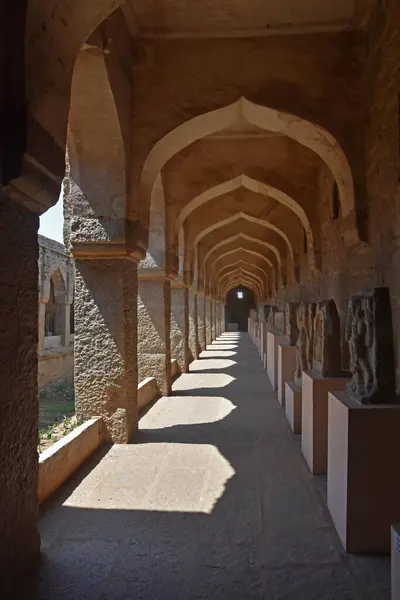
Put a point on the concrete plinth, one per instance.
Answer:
(314, 418)
(293, 405)
(273, 341)
(363, 489)
(286, 368)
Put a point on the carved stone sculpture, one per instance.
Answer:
(291, 328)
(271, 318)
(369, 335)
(254, 315)
(327, 348)
(267, 310)
(279, 323)
(304, 345)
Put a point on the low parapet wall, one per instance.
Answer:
(58, 463)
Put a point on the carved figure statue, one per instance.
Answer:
(369, 335)
(305, 340)
(301, 343)
(327, 348)
(291, 328)
(311, 308)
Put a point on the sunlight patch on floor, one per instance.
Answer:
(188, 410)
(157, 477)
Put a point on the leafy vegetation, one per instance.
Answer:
(56, 412)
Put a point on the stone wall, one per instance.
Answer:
(56, 293)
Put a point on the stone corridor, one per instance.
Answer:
(212, 501)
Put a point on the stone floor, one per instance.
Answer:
(213, 501)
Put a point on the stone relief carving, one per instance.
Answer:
(305, 340)
(271, 318)
(369, 335)
(267, 310)
(279, 323)
(327, 348)
(253, 314)
(291, 328)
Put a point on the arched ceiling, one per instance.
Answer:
(242, 182)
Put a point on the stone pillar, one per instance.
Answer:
(193, 327)
(201, 325)
(19, 539)
(215, 319)
(180, 325)
(208, 320)
(61, 321)
(41, 326)
(105, 353)
(154, 322)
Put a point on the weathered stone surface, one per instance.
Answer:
(106, 375)
(193, 341)
(154, 317)
(305, 340)
(327, 358)
(179, 327)
(369, 335)
(19, 538)
(201, 324)
(291, 327)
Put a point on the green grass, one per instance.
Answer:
(56, 412)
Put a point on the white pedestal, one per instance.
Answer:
(293, 405)
(314, 418)
(363, 484)
(286, 368)
(272, 356)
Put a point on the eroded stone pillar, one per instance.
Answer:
(41, 326)
(105, 353)
(193, 327)
(208, 320)
(19, 537)
(214, 320)
(154, 318)
(201, 324)
(180, 325)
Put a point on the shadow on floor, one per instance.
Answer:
(211, 501)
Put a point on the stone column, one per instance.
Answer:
(180, 325)
(214, 319)
(41, 326)
(201, 325)
(193, 327)
(154, 322)
(19, 539)
(208, 320)
(62, 321)
(105, 353)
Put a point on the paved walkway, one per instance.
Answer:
(213, 502)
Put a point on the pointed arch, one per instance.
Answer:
(253, 253)
(266, 224)
(258, 187)
(308, 134)
(249, 238)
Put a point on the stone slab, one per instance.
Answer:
(363, 487)
(286, 368)
(314, 418)
(293, 405)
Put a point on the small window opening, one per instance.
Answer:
(335, 201)
(240, 295)
(305, 243)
